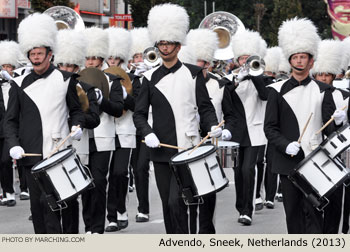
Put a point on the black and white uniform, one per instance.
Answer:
(176, 94)
(70, 215)
(248, 105)
(101, 145)
(6, 171)
(36, 120)
(289, 106)
(125, 142)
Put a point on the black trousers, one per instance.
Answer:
(245, 179)
(6, 170)
(333, 212)
(118, 183)
(22, 179)
(260, 165)
(140, 164)
(346, 211)
(178, 217)
(45, 221)
(70, 217)
(270, 178)
(94, 200)
(301, 216)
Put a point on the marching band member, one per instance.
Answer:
(140, 158)
(70, 56)
(37, 113)
(119, 42)
(325, 69)
(101, 138)
(125, 139)
(272, 61)
(176, 92)
(289, 106)
(248, 95)
(9, 55)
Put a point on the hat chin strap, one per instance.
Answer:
(166, 54)
(297, 68)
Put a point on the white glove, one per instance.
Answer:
(16, 152)
(76, 133)
(293, 148)
(215, 132)
(125, 94)
(339, 116)
(226, 135)
(99, 95)
(141, 68)
(152, 141)
(6, 75)
(241, 74)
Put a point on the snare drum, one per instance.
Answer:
(198, 173)
(337, 142)
(61, 177)
(317, 176)
(228, 154)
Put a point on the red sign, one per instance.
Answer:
(8, 9)
(25, 4)
(123, 17)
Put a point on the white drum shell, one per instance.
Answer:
(337, 142)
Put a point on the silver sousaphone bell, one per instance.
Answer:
(66, 18)
(225, 25)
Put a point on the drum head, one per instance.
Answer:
(53, 160)
(199, 153)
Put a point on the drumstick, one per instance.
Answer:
(64, 140)
(305, 127)
(169, 146)
(327, 123)
(31, 155)
(205, 138)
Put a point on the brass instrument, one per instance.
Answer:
(66, 18)
(151, 56)
(255, 65)
(126, 81)
(95, 78)
(225, 25)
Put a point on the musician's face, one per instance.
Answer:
(93, 62)
(40, 59)
(168, 50)
(203, 64)
(69, 68)
(325, 78)
(114, 61)
(9, 68)
(137, 58)
(242, 59)
(302, 61)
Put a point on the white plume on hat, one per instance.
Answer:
(37, 30)
(298, 36)
(97, 42)
(168, 22)
(71, 47)
(284, 65)
(186, 55)
(329, 57)
(9, 53)
(203, 42)
(272, 59)
(119, 43)
(263, 48)
(346, 53)
(247, 43)
(140, 40)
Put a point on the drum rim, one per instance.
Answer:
(190, 160)
(306, 159)
(335, 133)
(69, 153)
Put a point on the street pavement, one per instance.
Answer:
(14, 220)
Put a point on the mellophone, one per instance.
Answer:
(322, 171)
(61, 177)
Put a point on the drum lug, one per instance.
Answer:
(191, 203)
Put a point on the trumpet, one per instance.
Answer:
(255, 65)
(151, 56)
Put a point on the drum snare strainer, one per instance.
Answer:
(198, 173)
